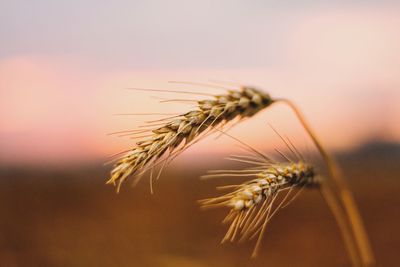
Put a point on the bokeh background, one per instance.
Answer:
(63, 69)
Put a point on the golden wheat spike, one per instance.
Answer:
(170, 134)
(251, 203)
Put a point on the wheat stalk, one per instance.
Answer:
(340, 200)
(185, 129)
(251, 203)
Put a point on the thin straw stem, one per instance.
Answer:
(345, 195)
(340, 217)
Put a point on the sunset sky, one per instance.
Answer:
(64, 66)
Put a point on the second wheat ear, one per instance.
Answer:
(181, 131)
(253, 203)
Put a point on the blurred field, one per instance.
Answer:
(70, 218)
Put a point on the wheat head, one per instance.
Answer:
(179, 132)
(251, 203)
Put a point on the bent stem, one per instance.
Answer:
(345, 197)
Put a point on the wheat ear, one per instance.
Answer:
(179, 132)
(251, 203)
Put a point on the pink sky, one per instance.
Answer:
(341, 66)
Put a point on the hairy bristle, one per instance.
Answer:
(182, 131)
(251, 204)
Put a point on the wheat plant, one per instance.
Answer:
(168, 137)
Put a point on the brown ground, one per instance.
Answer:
(70, 218)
